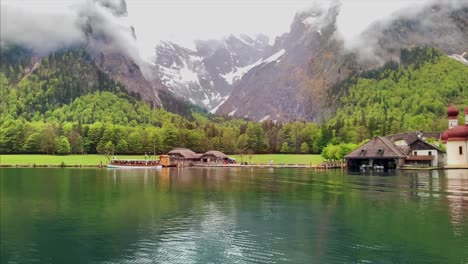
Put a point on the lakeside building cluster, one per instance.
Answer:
(413, 149)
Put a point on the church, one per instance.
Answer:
(456, 139)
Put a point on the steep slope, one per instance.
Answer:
(205, 76)
(412, 96)
(293, 86)
(315, 59)
(115, 53)
(50, 82)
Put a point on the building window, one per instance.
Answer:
(430, 153)
(415, 153)
(460, 150)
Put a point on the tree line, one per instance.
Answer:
(66, 105)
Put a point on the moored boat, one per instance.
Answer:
(134, 163)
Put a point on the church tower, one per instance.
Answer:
(466, 115)
(452, 113)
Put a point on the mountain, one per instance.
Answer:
(297, 85)
(99, 27)
(114, 52)
(206, 75)
(443, 26)
(410, 96)
(309, 59)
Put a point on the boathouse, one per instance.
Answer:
(214, 156)
(379, 152)
(183, 154)
(396, 151)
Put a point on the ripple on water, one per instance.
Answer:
(248, 216)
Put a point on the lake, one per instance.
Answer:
(232, 215)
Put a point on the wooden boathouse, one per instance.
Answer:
(396, 151)
(379, 152)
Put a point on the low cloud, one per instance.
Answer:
(101, 23)
(40, 31)
(420, 23)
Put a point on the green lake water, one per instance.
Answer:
(232, 215)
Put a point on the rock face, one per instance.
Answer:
(292, 84)
(205, 76)
(124, 70)
(114, 54)
(312, 58)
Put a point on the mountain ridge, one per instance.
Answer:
(316, 59)
(205, 76)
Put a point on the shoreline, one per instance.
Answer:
(315, 167)
(49, 166)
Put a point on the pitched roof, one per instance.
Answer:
(423, 142)
(379, 147)
(184, 152)
(215, 153)
(410, 137)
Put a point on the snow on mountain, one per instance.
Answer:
(205, 76)
(237, 73)
(274, 57)
(460, 57)
(311, 59)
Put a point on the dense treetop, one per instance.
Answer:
(411, 96)
(63, 104)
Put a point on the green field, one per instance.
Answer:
(280, 158)
(87, 160)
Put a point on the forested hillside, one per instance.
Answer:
(409, 96)
(64, 104)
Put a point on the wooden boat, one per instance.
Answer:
(134, 163)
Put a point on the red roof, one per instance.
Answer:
(466, 111)
(444, 136)
(452, 111)
(458, 133)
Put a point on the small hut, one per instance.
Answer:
(214, 156)
(183, 155)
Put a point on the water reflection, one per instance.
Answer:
(232, 215)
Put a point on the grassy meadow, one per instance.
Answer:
(41, 159)
(90, 160)
(280, 158)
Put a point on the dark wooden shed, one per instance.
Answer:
(379, 152)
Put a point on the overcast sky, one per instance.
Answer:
(186, 20)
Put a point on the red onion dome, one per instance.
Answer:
(457, 133)
(452, 111)
(466, 110)
(444, 136)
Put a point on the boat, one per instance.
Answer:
(134, 163)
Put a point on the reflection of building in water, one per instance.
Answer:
(450, 186)
(165, 179)
(424, 183)
(457, 196)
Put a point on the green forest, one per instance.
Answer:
(63, 104)
(410, 96)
